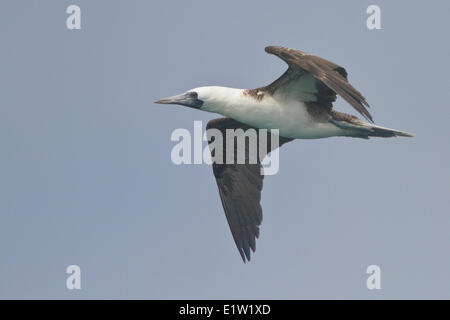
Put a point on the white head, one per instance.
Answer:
(204, 98)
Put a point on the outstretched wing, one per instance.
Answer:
(239, 185)
(313, 79)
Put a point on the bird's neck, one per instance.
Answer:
(223, 100)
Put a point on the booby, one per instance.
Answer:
(299, 104)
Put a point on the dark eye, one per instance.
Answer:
(194, 95)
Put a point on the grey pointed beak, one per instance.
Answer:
(184, 99)
(163, 101)
(178, 99)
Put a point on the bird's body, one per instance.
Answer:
(290, 117)
(299, 104)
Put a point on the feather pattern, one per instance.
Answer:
(313, 79)
(240, 186)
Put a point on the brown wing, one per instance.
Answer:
(239, 185)
(313, 79)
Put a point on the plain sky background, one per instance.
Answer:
(86, 176)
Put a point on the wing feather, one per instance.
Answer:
(331, 79)
(239, 187)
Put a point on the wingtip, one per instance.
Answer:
(268, 49)
(241, 252)
(244, 255)
(272, 49)
(369, 117)
(366, 112)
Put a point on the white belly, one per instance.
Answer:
(292, 120)
(290, 117)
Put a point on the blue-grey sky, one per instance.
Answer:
(86, 176)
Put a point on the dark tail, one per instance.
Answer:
(357, 128)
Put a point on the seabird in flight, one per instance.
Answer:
(300, 105)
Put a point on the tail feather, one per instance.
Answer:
(377, 131)
(357, 128)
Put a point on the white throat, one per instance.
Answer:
(221, 100)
